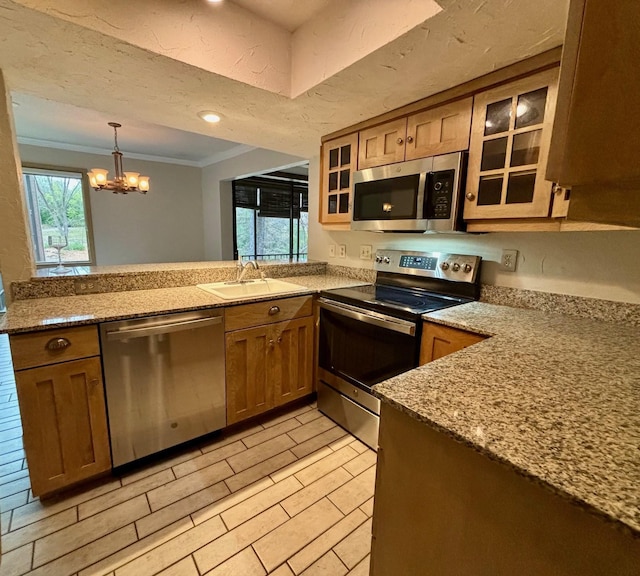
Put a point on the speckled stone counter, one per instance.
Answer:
(555, 397)
(40, 313)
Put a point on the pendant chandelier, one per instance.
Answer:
(123, 182)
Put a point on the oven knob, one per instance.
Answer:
(386, 260)
(378, 259)
(455, 267)
(467, 268)
(445, 265)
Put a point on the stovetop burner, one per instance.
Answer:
(410, 284)
(412, 301)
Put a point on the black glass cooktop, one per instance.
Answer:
(387, 299)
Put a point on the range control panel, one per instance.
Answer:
(455, 267)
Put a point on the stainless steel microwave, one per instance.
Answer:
(416, 196)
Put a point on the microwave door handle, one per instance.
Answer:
(373, 318)
(421, 211)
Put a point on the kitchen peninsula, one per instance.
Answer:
(522, 449)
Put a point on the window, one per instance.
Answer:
(271, 219)
(59, 217)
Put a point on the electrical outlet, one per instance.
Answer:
(509, 260)
(332, 250)
(86, 286)
(365, 252)
(342, 251)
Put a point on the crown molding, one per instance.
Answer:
(219, 157)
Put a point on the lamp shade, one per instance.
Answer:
(131, 179)
(143, 183)
(100, 176)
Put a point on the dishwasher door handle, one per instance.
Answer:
(127, 333)
(369, 317)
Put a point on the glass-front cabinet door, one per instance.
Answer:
(339, 158)
(510, 135)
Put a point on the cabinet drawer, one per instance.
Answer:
(51, 346)
(248, 315)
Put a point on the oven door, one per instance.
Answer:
(364, 347)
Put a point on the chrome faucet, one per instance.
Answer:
(242, 268)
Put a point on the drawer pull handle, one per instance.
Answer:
(274, 310)
(57, 344)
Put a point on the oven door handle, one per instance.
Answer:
(374, 318)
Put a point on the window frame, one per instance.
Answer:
(291, 184)
(28, 168)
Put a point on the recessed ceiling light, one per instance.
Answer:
(209, 116)
(214, 1)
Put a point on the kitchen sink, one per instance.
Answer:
(249, 288)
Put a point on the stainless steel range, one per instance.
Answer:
(371, 333)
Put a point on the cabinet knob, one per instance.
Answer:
(271, 342)
(280, 340)
(557, 189)
(57, 344)
(400, 140)
(409, 139)
(470, 196)
(274, 310)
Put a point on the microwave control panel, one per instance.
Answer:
(439, 197)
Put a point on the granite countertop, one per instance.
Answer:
(56, 312)
(555, 397)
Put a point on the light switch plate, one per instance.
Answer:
(86, 286)
(509, 260)
(342, 251)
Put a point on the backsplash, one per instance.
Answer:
(149, 277)
(594, 308)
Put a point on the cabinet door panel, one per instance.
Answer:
(64, 423)
(509, 148)
(293, 359)
(438, 341)
(249, 389)
(439, 131)
(382, 144)
(338, 164)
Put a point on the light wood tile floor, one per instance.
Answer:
(292, 494)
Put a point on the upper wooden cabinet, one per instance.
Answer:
(62, 406)
(437, 131)
(596, 139)
(510, 135)
(338, 164)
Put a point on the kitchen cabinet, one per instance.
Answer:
(62, 406)
(269, 355)
(438, 341)
(596, 137)
(436, 131)
(338, 164)
(510, 135)
(470, 514)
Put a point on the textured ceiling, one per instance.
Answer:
(159, 62)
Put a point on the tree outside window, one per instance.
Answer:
(59, 220)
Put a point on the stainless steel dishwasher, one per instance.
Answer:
(164, 379)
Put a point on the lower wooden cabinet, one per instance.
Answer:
(438, 341)
(268, 366)
(62, 406)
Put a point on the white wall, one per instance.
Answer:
(165, 225)
(592, 264)
(216, 192)
(16, 258)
